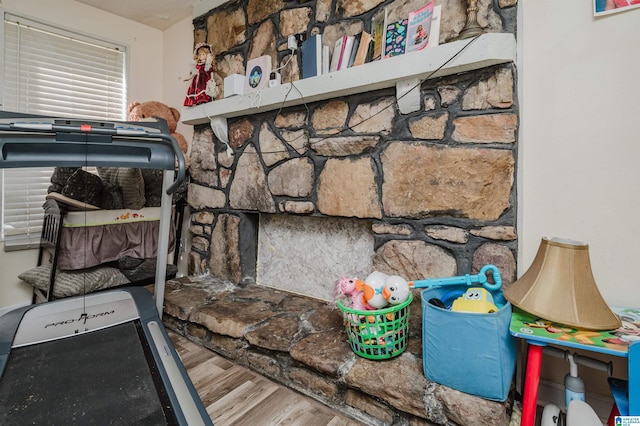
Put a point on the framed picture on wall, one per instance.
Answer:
(606, 7)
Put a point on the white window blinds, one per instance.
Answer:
(49, 71)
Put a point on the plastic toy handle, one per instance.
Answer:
(497, 278)
(480, 278)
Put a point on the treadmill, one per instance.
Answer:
(105, 357)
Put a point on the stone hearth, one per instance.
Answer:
(300, 342)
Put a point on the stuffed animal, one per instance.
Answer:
(375, 291)
(358, 302)
(398, 289)
(344, 287)
(380, 289)
(146, 110)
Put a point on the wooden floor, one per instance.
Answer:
(234, 395)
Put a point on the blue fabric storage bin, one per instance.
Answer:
(471, 352)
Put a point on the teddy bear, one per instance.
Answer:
(139, 111)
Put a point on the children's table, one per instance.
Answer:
(622, 342)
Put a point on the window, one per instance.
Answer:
(53, 72)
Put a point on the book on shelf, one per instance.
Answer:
(341, 53)
(364, 48)
(326, 59)
(419, 27)
(369, 52)
(346, 52)
(354, 49)
(378, 24)
(312, 56)
(434, 36)
(338, 48)
(395, 38)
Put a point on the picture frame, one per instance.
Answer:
(257, 74)
(608, 7)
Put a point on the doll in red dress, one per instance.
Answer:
(203, 87)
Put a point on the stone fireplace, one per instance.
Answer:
(405, 166)
(328, 181)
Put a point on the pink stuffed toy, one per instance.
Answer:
(344, 287)
(358, 302)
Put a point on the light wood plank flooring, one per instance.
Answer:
(234, 395)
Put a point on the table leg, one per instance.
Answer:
(531, 382)
(634, 383)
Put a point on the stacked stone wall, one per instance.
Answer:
(437, 184)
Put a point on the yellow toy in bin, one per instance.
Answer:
(475, 299)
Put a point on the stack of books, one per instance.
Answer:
(348, 51)
(412, 33)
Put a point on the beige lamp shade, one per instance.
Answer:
(559, 287)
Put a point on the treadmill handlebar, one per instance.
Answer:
(28, 126)
(87, 127)
(182, 167)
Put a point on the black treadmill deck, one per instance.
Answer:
(80, 379)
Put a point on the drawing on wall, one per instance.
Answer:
(606, 7)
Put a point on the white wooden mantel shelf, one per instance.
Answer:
(400, 71)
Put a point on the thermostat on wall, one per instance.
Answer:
(233, 85)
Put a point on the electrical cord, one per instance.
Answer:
(364, 120)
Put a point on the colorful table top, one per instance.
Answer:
(613, 342)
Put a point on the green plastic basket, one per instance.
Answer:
(378, 334)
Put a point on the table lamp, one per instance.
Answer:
(559, 287)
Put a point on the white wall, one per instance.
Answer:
(145, 82)
(579, 140)
(178, 61)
